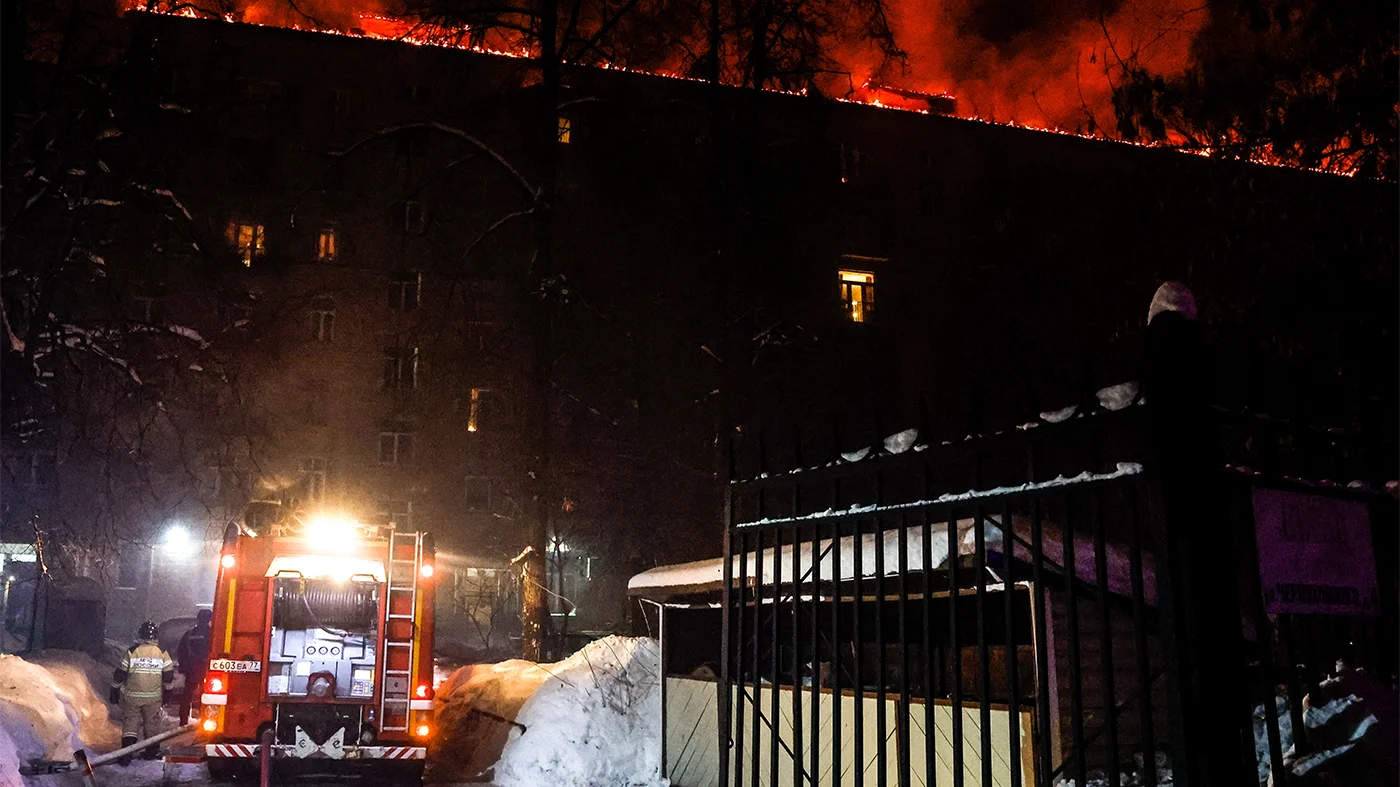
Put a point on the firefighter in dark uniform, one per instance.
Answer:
(192, 661)
(141, 683)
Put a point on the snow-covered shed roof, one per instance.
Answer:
(707, 576)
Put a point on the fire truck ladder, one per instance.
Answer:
(403, 581)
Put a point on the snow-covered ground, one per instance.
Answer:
(591, 720)
(48, 710)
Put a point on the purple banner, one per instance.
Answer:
(1315, 554)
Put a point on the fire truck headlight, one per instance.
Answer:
(211, 725)
(320, 686)
(422, 730)
(216, 685)
(423, 692)
(227, 561)
(426, 570)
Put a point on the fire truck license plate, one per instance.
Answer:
(230, 665)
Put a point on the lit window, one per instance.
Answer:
(246, 239)
(478, 395)
(395, 448)
(323, 323)
(314, 471)
(325, 245)
(566, 130)
(404, 289)
(858, 294)
(400, 369)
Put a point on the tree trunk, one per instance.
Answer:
(534, 614)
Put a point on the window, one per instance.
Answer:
(325, 245)
(397, 512)
(482, 492)
(400, 369)
(246, 239)
(314, 471)
(323, 322)
(31, 470)
(404, 290)
(474, 407)
(395, 448)
(316, 402)
(566, 130)
(857, 294)
(413, 220)
(850, 162)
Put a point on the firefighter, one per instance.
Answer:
(192, 660)
(141, 683)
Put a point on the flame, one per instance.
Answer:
(1162, 43)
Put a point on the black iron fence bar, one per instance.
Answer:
(984, 665)
(930, 753)
(857, 641)
(1295, 689)
(1076, 677)
(756, 653)
(902, 718)
(881, 762)
(1149, 742)
(1012, 665)
(955, 651)
(773, 651)
(1254, 608)
(1091, 735)
(736, 735)
(837, 666)
(815, 732)
(725, 733)
(1043, 686)
(1105, 603)
(797, 645)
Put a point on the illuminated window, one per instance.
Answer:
(325, 245)
(566, 130)
(401, 369)
(395, 448)
(858, 294)
(404, 289)
(323, 322)
(478, 395)
(246, 239)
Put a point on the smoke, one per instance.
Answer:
(1049, 65)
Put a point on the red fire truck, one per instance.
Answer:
(322, 634)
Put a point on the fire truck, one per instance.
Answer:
(323, 635)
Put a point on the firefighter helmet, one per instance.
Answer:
(148, 631)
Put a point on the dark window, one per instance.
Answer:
(482, 493)
(404, 291)
(132, 567)
(395, 448)
(314, 471)
(400, 369)
(399, 512)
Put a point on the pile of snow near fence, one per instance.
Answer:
(1352, 721)
(48, 710)
(591, 719)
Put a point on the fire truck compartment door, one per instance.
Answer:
(328, 566)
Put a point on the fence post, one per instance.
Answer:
(1195, 552)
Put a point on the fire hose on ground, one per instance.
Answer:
(133, 748)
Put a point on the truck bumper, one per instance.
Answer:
(280, 751)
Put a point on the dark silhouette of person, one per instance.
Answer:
(192, 658)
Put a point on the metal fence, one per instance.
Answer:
(1008, 609)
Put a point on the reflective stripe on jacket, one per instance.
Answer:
(146, 670)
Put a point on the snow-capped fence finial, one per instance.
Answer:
(1173, 296)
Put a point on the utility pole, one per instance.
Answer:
(540, 308)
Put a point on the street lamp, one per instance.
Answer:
(177, 542)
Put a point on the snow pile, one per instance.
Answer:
(1351, 723)
(591, 719)
(82, 678)
(48, 713)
